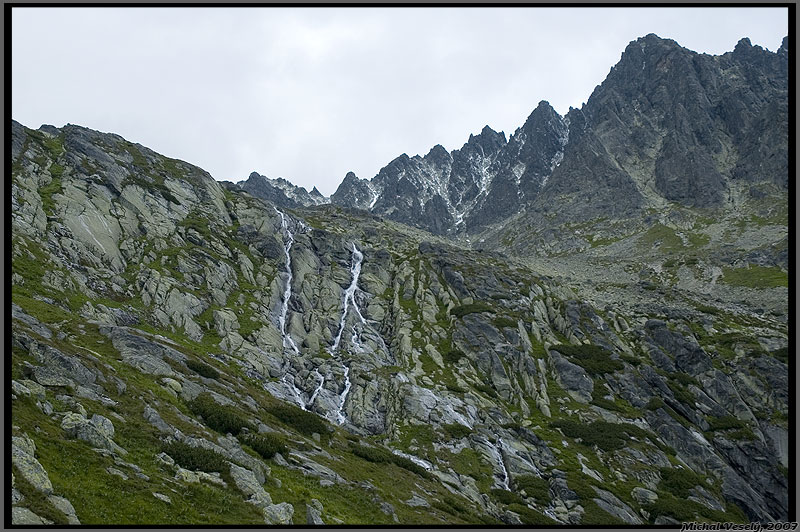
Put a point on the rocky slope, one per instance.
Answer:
(163, 325)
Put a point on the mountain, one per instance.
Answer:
(281, 192)
(183, 351)
(667, 125)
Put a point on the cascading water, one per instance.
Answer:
(497, 452)
(287, 291)
(349, 297)
(318, 388)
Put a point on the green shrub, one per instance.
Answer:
(725, 423)
(592, 358)
(607, 436)
(267, 445)
(679, 481)
(535, 487)
(380, 455)
(195, 458)
(454, 388)
(506, 497)
(305, 422)
(452, 356)
(608, 405)
(456, 431)
(529, 516)
(681, 394)
(670, 506)
(462, 310)
(485, 388)
(503, 322)
(655, 403)
(594, 515)
(223, 419)
(684, 378)
(202, 369)
(782, 354)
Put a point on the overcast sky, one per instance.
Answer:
(309, 94)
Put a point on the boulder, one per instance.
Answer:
(279, 514)
(22, 456)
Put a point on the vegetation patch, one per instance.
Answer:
(593, 358)
(533, 486)
(462, 310)
(529, 516)
(755, 276)
(456, 431)
(195, 458)
(304, 422)
(223, 419)
(380, 455)
(606, 436)
(202, 369)
(503, 322)
(267, 445)
(506, 497)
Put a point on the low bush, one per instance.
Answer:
(462, 310)
(202, 369)
(655, 403)
(535, 487)
(679, 481)
(594, 515)
(267, 445)
(485, 388)
(304, 422)
(380, 455)
(195, 458)
(503, 322)
(452, 356)
(725, 423)
(223, 419)
(456, 431)
(529, 516)
(592, 358)
(606, 436)
(782, 354)
(506, 497)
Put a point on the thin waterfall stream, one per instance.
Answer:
(349, 297)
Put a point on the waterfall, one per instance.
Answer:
(318, 388)
(287, 292)
(349, 297)
(497, 452)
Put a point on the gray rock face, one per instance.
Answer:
(572, 377)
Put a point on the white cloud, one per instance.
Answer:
(309, 94)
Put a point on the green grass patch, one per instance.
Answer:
(755, 276)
